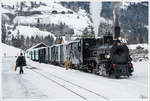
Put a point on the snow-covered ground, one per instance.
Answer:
(50, 7)
(77, 22)
(45, 81)
(9, 50)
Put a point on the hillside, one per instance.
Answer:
(48, 14)
(133, 18)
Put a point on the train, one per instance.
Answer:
(106, 56)
(102, 56)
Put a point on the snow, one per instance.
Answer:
(8, 2)
(33, 47)
(6, 11)
(82, 12)
(95, 9)
(133, 46)
(10, 50)
(46, 81)
(78, 23)
(74, 23)
(31, 31)
(50, 7)
(29, 87)
(14, 2)
(125, 5)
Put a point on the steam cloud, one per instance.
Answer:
(116, 7)
(95, 9)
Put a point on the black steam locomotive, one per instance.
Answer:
(106, 56)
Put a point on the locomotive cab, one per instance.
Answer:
(108, 39)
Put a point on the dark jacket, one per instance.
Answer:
(21, 61)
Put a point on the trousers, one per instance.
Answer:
(21, 70)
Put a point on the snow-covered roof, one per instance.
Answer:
(38, 46)
(64, 43)
(134, 46)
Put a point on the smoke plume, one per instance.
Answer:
(95, 9)
(116, 7)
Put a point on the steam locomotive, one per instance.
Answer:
(105, 56)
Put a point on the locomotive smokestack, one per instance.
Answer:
(116, 22)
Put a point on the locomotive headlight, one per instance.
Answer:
(107, 56)
(119, 38)
(131, 57)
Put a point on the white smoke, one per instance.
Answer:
(116, 7)
(95, 9)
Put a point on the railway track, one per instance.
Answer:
(78, 90)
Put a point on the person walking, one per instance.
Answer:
(20, 62)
